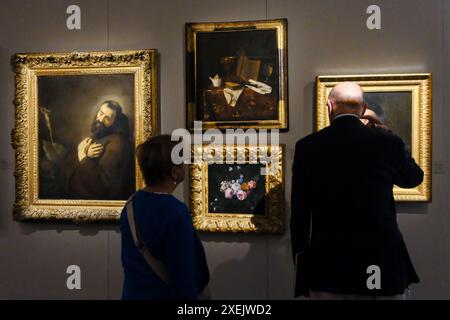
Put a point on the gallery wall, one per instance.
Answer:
(325, 37)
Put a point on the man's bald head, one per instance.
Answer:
(346, 97)
(347, 93)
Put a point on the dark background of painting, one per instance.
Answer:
(324, 38)
(395, 110)
(74, 102)
(253, 204)
(212, 46)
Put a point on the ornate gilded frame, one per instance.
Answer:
(420, 87)
(280, 25)
(271, 222)
(27, 67)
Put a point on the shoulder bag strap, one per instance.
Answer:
(157, 266)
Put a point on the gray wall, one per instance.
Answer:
(325, 37)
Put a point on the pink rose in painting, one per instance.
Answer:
(229, 193)
(252, 184)
(241, 195)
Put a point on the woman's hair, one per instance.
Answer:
(154, 158)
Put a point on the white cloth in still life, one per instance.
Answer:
(232, 95)
(259, 87)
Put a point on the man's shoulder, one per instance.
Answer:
(387, 137)
(114, 139)
(311, 139)
(326, 135)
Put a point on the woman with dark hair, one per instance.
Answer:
(162, 256)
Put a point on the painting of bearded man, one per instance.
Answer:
(98, 172)
(86, 149)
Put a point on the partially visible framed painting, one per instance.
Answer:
(242, 195)
(237, 74)
(403, 103)
(79, 117)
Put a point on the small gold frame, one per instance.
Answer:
(271, 222)
(420, 87)
(27, 67)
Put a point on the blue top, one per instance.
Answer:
(166, 229)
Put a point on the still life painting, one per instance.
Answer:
(237, 74)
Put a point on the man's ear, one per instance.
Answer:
(330, 107)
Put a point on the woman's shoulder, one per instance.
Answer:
(167, 202)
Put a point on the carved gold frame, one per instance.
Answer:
(420, 87)
(27, 67)
(271, 222)
(280, 25)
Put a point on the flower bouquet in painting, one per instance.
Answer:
(238, 196)
(236, 189)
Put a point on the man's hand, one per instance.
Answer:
(374, 122)
(82, 148)
(94, 150)
(88, 149)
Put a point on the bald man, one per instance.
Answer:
(343, 217)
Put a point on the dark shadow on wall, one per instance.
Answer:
(6, 152)
(30, 227)
(310, 109)
(7, 194)
(248, 275)
(6, 214)
(245, 276)
(412, 207)
(85, 229)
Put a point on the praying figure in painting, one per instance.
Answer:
(102, 167)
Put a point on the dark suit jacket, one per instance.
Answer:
(343, 215)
